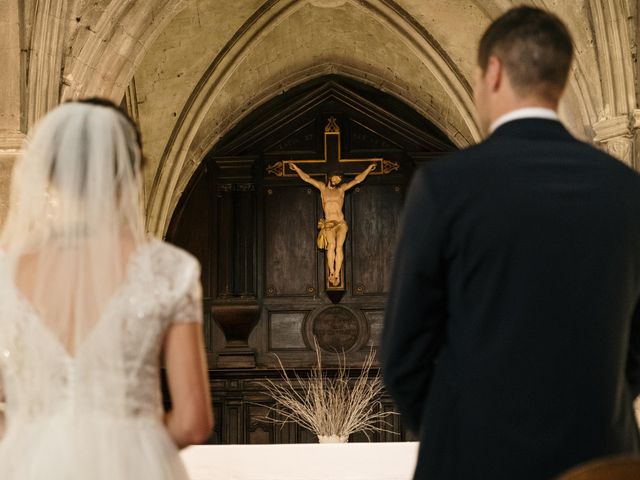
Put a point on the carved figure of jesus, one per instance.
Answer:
(333, 227)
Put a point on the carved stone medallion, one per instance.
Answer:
(336, 328)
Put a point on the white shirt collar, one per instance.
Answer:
(520, 113)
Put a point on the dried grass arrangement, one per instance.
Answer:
(331, 406)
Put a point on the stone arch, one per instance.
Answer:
(609, 19)
(46, 52)
(606, 108)
(177, 152)
(106, 52)
(579, 90)
(580, 96)
(618, 127)
(202, 145)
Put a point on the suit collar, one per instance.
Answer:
(520, 113)
(532, 128)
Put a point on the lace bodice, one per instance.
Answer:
(115, 370)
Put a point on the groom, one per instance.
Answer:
(512, 336)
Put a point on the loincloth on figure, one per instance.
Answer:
(326, 226)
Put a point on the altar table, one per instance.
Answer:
(345, 461)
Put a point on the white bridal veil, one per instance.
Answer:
(85, 300)
(74, 220)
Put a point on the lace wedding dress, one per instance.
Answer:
(95, 414)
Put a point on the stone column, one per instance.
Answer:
(10, 143)
(11, 89)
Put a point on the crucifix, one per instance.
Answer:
(333, 227)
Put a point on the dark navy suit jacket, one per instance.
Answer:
(511, 346)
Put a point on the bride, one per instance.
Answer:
(89, 308)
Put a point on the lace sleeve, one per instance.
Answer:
(188, 307)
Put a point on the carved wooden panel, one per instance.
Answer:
(255, 231)
(244, 414)
(216, 437)
(336, 328)
(290, 243)
(224, 240)
(364, 139)
(245, 241)
(375, 319)
(285, 330)
(235, 426)
(376, 210)
(260, 431)
(303, 139)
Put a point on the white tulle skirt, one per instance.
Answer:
(90, 448)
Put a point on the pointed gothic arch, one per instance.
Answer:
(179, 147)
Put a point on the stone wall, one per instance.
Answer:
(190, 70)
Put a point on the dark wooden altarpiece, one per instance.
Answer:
(252, 223)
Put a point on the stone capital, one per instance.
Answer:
(609, 129)
(11, 142)
(619, 137)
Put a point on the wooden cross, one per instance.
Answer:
(332, 161)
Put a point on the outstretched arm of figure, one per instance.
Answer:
(306, 177)
(359, 178)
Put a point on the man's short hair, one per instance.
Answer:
(535, 48)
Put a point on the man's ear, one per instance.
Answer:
(494, 73)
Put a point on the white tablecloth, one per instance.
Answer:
(352, 461)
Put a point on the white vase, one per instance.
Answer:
(333, 438)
